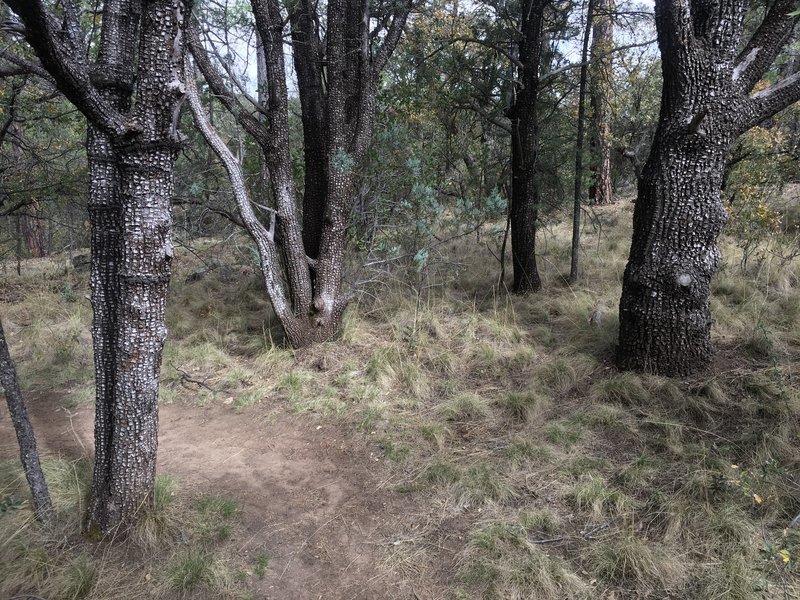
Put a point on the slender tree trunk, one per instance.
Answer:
(524, 142)
(34, 230)
(600, 92)
(307, 63)
(576, 208)
(29, 454)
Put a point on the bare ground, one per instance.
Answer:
(316, 502)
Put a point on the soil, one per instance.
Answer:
(312, 498)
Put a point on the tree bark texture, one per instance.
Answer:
(142, 180)
(524, 142)
(132, 144)
(338, 107)
(600, 94)
(34, 230)
(707, 103)
(28, 452)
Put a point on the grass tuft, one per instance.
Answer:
(525, 407)
(624, 388)
(190, 570)
(631, 561)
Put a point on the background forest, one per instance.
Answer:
(364, 262)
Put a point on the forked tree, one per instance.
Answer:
(130, 94)
(712, 93)
(338, 75)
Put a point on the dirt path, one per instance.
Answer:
(311, 499)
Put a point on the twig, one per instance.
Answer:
(552, 540)
(185, 377)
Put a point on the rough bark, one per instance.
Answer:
(144, 164)
(34, 230)
(706, 104)
(307, 64)
(524, 140)
(600, 94)
(338, 107)
(132, 146)
(113, 75)
(28, 452)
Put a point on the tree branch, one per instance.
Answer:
(392, 38)
(764, 104)
(555, 72)
(69, 71)
(24, 66)
(760, 52)
(511, 58)
(220, 90)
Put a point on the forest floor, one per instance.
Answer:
(455, 443)
(306, 496)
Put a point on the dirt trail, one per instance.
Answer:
(309, 497)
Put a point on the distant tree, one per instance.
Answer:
(578, 188)
(601, 77)
(132, 144)
(712, 93)
(29, 453)
(338, 74)
(523, 213)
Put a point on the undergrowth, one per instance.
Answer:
(534, 468)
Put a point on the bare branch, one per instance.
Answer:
(556, 72)
(216, 83)
(760, 52)
(511, 58)
(69, 71)
(24, 66)
(764, 104)
(392, 38)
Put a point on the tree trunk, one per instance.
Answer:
(139, 181)
(576, 199)
(337, 82)
(706, 104)
(105, 217)
(29, 454)
(664, 314)
(524, 141)
(34, 230)
(307, 64)
(600, 93)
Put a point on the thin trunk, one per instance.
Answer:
(600, 92)
(32, 227)
(29, 454)
(307, 63)
(34, 230)
(576, 209)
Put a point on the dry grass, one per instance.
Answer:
(502, 413)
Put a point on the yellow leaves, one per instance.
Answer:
(785, 556)
(761, 85)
